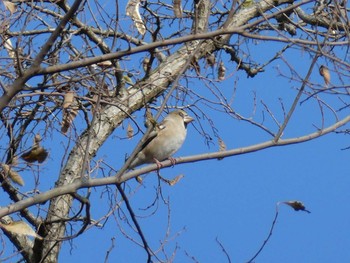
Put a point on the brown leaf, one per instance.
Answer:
(177, 8)
(36, 154)
(14, 161)
(64, 88)
(145, 63)
(222, 146)
(67, 118)
(68, 99)
(195, 65)
(175, 180)
(211, 59)
(9, 47)
(13, 175)
(10, 6)
(37, 139)
(105, 64)
(130, 131)
(20, 228)
(324, 72)
(221, 71)
(132, 10)
(297, 206)
(172, 182)
(139, 179)
(150, 121)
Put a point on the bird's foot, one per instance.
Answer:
(158, 163)
(172, 160)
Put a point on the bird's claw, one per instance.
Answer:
(172, 160)
(158, 163)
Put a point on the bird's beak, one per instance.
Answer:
(188, 119)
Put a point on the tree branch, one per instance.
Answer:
(112, 180)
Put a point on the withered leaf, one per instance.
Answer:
(67, 119)
(37, 139)
(68, 99)
(177, 8)
(36, 154)
(10, 6)
(132, 10)
(221, 71)
(324, 72)
(20, 228)
(210, 59)
(105, 64)
(13, 175)
(176, 180)
(222, 146)
(130, 131)
(145, 63)
(149, 121)
(297, 206)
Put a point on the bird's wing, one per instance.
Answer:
(153, 134)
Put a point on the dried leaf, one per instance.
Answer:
(36, 154)
(195, 65)
(211, 59)
(139, 179)
(130, 131)
(247, 3)
(37, 139)
(9, 47)
(324, 72)
(297, 206)
(67, 119)
(132, 10)
(14, 161)
(221, 71)
(222, 146)
(13, 175)
(145, 64)
(177, 8)
(150, 121)
(128, 80)
(25, 114)
(10, 6)
(68, 99)
(105, 64)
(20, 228)
(175, 180)
(64, 88)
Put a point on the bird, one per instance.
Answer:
(166, 139)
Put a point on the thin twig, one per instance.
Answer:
(137, 225)
(267, 239)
